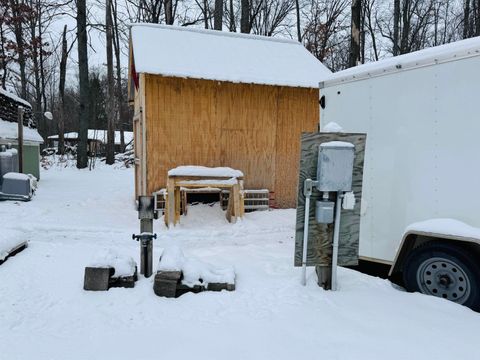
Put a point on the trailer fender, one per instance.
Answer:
(413, 239)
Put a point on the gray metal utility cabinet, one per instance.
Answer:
(335, 166)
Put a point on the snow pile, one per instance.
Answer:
(224, 56)
(262, 319)
(445, 226)
(195, 271)
(16, 176)
(9, 131)
(191, 170)
(332, 127)
(10, 240)
(123, 265)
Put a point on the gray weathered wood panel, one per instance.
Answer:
(321, 235)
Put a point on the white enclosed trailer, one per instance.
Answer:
(421, 113)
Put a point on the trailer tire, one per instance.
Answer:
(443, 270)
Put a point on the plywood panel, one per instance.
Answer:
(320, 236)
(253, 128)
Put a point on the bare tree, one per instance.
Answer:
(325, 31)
(355, 33)
(218, 15)
(61, 90)
(269, 17)
(117, 49)
(111, 113)
(370, 25)
(20, 13)
(245, 16)
(82, 47)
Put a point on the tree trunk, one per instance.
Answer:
(18, 31)
(477, 18)
(297, 9)
(42, 63)
(83, 116)
(168, 12)
(218, 15)
(355, 34)
(116, 48)
(232, 18)
(245, 17)
(110, 106)
(404, 41)
(36, 74)
(396, 27)
(61, 90)
(466, 19)
(205, 13)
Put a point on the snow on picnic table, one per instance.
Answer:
(45, 313)
(193, 170)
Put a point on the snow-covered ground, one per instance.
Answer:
(45, 314)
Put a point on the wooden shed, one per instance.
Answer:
(212, 98)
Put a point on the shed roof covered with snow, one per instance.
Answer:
(98, 135)
(224, 56)
(429, 56)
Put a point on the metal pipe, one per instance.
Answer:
(307, 190)
(146, 249)
(21, 111)
(336, 233)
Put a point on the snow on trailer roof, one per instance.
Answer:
(224, 56)
(430, 56)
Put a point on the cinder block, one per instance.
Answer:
(97, 279)
(124, 281)
(220, 287)
(170, 275)
(165, 283)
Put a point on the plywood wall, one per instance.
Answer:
(253, 128)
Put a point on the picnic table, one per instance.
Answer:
(200, 177)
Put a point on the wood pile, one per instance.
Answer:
(9, 110)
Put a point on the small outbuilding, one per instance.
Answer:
(96, 140)
(219, 99)
(32, 140)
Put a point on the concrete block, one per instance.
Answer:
(220, 287)
(124, 281)
(165, 283)
(97, 279)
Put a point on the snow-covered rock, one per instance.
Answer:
(193, 269)
(123, 265)
(10, 240)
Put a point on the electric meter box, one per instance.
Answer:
(324, 212)
(335, 166)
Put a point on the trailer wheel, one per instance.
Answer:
(443, 270)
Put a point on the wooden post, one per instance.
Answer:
(170, 204)
(21, 111)
(177, 205)
(236, 201)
